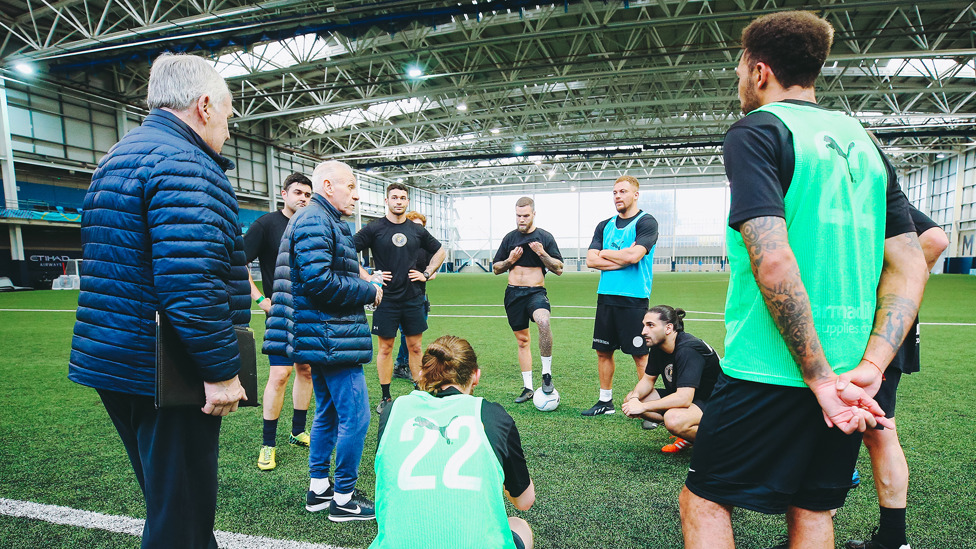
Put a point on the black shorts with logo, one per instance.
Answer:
(766, 447)
(521, 302)
(408, 315)
(619, 328)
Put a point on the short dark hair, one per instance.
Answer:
(669, 314)
(395, 187)
(525, 201)
(794, 44)
(293, 179)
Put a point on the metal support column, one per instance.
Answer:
(271, 166)
(7, 153)
(9, 175)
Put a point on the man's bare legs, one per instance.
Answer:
(524, 341)
(708, 525)
(705, 524)
(541, 318)
(889, 466)
(274, 391)
(384, 359)
(414, 353)
(810, 529)
(683, 422)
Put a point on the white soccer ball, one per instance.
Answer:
(544, 402)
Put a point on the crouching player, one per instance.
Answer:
(444, 458)
(689, 368)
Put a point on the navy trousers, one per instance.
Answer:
(174, 455)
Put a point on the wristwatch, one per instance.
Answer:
(426, 275)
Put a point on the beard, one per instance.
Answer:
(748, 100)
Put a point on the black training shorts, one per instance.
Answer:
(886, 396)
(619, 328)
(410, 316)
(521, 302)
(766, 448)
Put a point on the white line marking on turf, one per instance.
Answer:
(67, 516)
(261, 312)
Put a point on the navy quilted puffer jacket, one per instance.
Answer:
(159, 232)
(317, 312)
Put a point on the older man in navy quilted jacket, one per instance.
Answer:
(160, 233)
(317, 318)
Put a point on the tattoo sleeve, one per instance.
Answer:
(778, 277)
(551, 263)
(900, 290)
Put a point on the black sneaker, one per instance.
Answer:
(872, 543)
(358, 508)
(526, 395)
(601, 407)
(401, 371)
(383, 404)
(316, 502)
(547, 386)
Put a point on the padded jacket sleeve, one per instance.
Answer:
(315, 252)
(192, 242)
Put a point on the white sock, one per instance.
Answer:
(319, 485)
(547, 365)
(527, 380)
(342, 499)
(606, 395)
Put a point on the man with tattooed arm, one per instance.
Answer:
(826, 277)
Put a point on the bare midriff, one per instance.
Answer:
(526, 276)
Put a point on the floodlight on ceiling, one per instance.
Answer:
(24, 68)
(399, 180)
(495, 131)
(414, 71)
(462, 107)
(940, 156)
(519, 149)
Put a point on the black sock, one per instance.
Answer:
(298, 422)
(386, 390)
(891, 532)
(270, 431)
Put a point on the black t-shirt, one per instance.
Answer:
(261, 241)
(528, 258)
(396, 248)
(759, 162)
(692, 364)
(503, 436)
(646, 236)
(907, 357)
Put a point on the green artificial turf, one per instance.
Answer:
(600, 482)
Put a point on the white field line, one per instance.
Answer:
(132, 526)
(260, 312)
